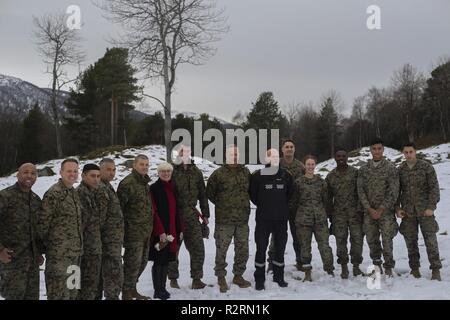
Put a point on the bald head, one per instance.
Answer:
(26, 176)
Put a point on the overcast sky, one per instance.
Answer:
(299, 49)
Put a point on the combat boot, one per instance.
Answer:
(436, 275)
(278, 276)
(388, 271)
(299, 267)
(357, 271)
(344, 271)
(259, 285)
(223, 286)
(307, 276)
(241, 282)
(416, 273)
(139, 296)
(281, 282)
(330, 272)
(127, 294)
(198, 284)
(174, 284)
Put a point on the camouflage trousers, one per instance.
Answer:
(321, 234)
(387, 228)
(409, 228)
(62, 279)
(135, 260)
(193, 240)
(223, 234)
(19, 279)
(112, 276)
(112, 266)
(341, 229)
(91, 272)
(295, 243)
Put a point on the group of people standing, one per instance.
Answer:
(82, 231)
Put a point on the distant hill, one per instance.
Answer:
(21, 95)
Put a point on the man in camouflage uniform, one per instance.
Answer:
(91, 261)
(112, 233)
(345, 216)
(134, 196)
(60, 228)
(311, 200)
(227, 189)
(419, 195)
(191, 187)
(378, 187)
(20, 249)
(296, 169)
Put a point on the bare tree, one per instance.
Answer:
(376, 98)
(58, 46)
(163, 34)
(358, 112)
(291, 110)
(408, 84)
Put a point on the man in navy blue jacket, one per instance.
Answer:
(270, 190)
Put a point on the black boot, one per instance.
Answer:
(156, 285)
(159, 283)
(164, 271)
(260, 278)
(278, 276)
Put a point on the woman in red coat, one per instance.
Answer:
(168, 227)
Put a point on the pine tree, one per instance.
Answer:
(328, 129)
(31, 145)
(98, 109)
(265, 113)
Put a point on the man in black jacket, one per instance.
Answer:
(270, 190)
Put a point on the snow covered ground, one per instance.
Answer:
(323, 286)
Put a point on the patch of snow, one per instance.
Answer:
(323, 286)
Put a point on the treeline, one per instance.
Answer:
(411, 108)
(99, 115)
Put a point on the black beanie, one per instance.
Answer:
(90, 166)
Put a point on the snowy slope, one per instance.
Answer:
(21, 95)
(322, 287)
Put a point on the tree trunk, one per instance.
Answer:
(112, 120)
(125, 143)
(54, 108)
(116, 121)
(360, 135)
(441, 121)
(168, 124)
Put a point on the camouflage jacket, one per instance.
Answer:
(91, 218)
(18, 214)
(228, 189)
(419, 187)
(59, 222)
(296, 168)
(191, 188)
(378, 185)
(136, 204)
(311, 200)
(113, 228)
(343, 193)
